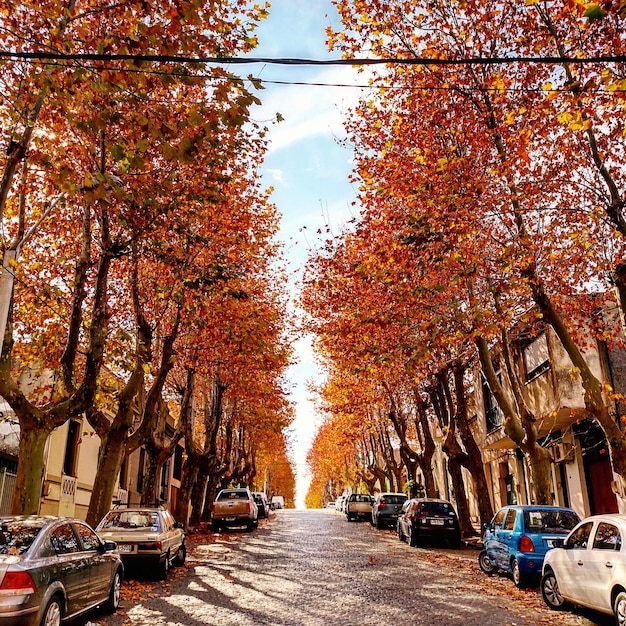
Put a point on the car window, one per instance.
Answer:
(436, 508)
(607, 537)
(550, 521)
(131, 519)
(579, 538)
(88, 538)
(394, 499)
(499, 518)
(16, 537)
(509, 522)
(64, 540)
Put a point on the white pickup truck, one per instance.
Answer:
(359, 505)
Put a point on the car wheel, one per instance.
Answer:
(181, 555)
(619, 608)
(53, 612)
(518, 579)
(164, 569)
(215, 527)
(550, 591)
(412, 538)
(485, 563)
(115, 593)
(400, 533)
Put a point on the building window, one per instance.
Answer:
(71, 448)
(141, 470)
(493, 414)
(536, 357)
(165, 481)
(178, 463)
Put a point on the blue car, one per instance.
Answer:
(518, 537)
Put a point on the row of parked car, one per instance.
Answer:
(581, 562)
(53, 569)
(415, 519)
(56, 568)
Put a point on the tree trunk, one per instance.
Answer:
(190, 475)
(29, 481)
(112, 453)
(198, 495)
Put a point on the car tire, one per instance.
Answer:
(619, 609)
(400, 533)
(181, 556)
(53, 613)
(115, 593)
(215, 527)
(516, 573)
(164, 567)
(551, 594)
(485, 563)
(412, 538)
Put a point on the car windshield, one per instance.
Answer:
(394, 499)
(17, 536)
(361, 498)
(549, 521)
(233, 495)
(436, 508)
(131, 519)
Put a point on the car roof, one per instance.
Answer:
(392, 493)
(615, 518)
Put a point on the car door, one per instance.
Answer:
(493, 538)
(507, 538)
(73, 567)
(597, 564)
(569, 569)
(404, 520)
(99, 563)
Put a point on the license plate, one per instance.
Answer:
(437, 522)
(124, 548)
(230, 519)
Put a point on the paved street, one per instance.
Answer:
(313, 568)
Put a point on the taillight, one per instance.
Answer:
(382, 505)
(526, 544)
(152, 545)
(248, 507)
(17, 584)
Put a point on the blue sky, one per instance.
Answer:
(305, 164)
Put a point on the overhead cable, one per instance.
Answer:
(159, 58)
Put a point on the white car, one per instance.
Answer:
(589, 569)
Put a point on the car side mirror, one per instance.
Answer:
(488, 526)
(109, 546)
(179, 525)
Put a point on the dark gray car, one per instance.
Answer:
(386, 508)
(54, 568)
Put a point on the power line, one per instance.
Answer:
(159, 58)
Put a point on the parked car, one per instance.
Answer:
(278, 502)
(386, 509)
(340, 503)
(330, 505)
(148, 539)
(263, 506)
(359, 506)
(234, 507)
(589, 569)
(518, 537)
(428, 518)
(53, 569)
